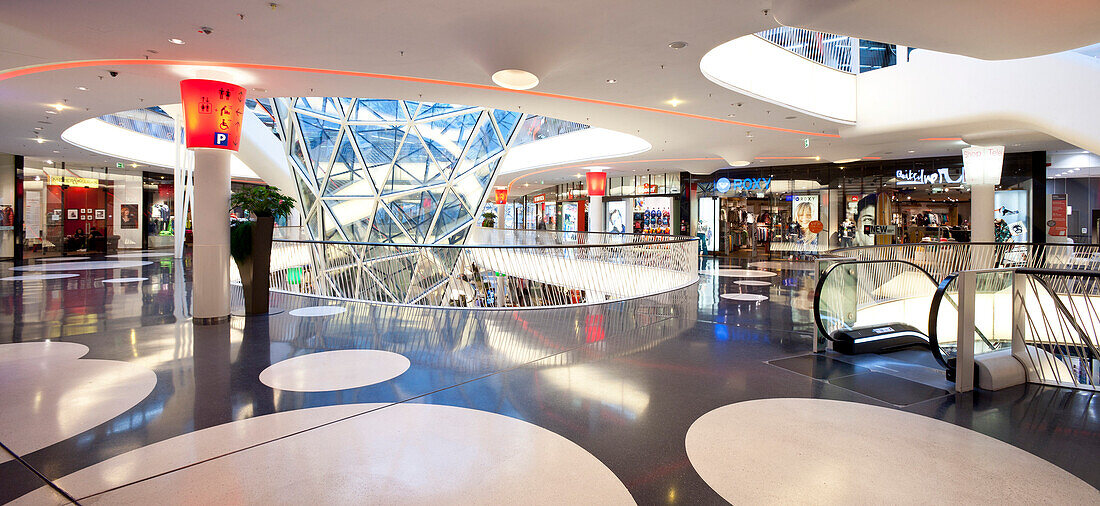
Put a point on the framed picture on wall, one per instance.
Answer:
(128, 216)
(73, 214)
(100, 214)
(87, 211)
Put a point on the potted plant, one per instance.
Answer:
(250, 241)
(488, 220)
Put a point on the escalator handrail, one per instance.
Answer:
(825, 275)
(934, 316)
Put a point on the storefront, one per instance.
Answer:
(646, 204)
(808, 209)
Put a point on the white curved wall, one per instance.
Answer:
(574, 147)
(755, 67)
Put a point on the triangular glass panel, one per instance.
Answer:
(459, 235)
(378, 145)
(446, 137)
(506, 122)
(452, 215)
(432, 109)
(483, 146)
(470, 189)
(307, 198)
(354, 216)
(298, 157)
(384, 229)
(378, 110)
(432, 267)
(320, 140)
(415, 212)
(329, 226)
(412, 167)
(324, 106)
(393, 266)
(348, 176)
(345, 104)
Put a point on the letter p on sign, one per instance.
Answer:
(221, 139)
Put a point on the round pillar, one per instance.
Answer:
(210, 219)
(981, 213)
(500, 215)
(595, 214)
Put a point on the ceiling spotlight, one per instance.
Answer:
(515, 79)
(50, 112)
(177, 41)
(612, 81)
(260, 90)
(49, 161)
(38, 128)
(674, 102)
(739, 163)
(56, 151)
(912, 151)
(82, 88)
(134, 165)
(59, 106)
(678, 44)
(847, 160)
(39, 140)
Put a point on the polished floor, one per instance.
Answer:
(111, 396)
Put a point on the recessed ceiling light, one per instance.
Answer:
(38, 128)
(259, 90)
(50, 112)
(612, 81)
(912, 151)
(515, 79)
(82, 88)
(49, 161)
(674, 102)
(177, 41)
(678, 44)
(740, 163)
(56, 151)
(731, 115)
(39, 140)
(789, 117)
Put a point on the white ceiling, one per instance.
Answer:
(574, 46)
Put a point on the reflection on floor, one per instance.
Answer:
(583, 405)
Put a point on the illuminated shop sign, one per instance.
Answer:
(84, 182)
(540, 198)
(939, 176)
(723, 185)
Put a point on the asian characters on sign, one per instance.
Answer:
(213, 113)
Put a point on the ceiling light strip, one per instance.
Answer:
(37, 69)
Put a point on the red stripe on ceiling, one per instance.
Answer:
(37, 69)
(540, 171)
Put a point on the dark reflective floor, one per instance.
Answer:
(622, 380)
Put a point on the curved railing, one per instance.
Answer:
(945, 258)
(840, 52)
(531, 269)
(1049, 318)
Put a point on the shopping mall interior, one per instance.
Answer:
(702, 252)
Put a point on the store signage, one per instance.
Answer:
(212, 112)
(878, 230)
(1058, 214)
(816, 227)
(83, 182)
(118, 165)
(646, 189)
(501, 195)
(940, 176)
(540, 198)
(723, 185)
(982, 164)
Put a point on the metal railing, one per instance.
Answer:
(535, 269)
(1049, 318)
(943, 259)
(840, 52)
(143, 121)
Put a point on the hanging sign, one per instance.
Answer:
(540, 198)
(212, 113)
(983, 164)
(501, 195)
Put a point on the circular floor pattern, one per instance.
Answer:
(790, 266)
(62, 259)
(141, 255)
(38, 277)
(744, 297)
(306, 312)
(124, 280)
(782, 451)
(59, 395)
(752, 282)
(334, 370)
(738, 273)
(82, 266)
(399, 454)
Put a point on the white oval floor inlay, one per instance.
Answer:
(42, 350)
(124, 280)
(399, 454)
(738, 273)
(38, 277)
(62, 259)
(141, 255)
(752, 282)
(47, 401)
(318, 311)
(83, 266)
(790, 266)
(785, 451)
(744, 297)
(334, 370)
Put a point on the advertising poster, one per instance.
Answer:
(708, 222)
(549, 216)
(532, 216)
(128, 216)
(616, 217)
(509, 215)
(1011, 206)
(804, 211)
(1058, 225)
(569, 216)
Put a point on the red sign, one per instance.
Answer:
(1057, 215)
(853, 198)
(212, 113)
(501, 195)
(539, 198)
(597, 183)
(816, 227)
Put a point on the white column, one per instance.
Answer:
(500, 215)
(179, 185)
(964, 355)
(596, 220)
(981, 213)
(210, 289)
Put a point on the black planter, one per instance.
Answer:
(255, 268)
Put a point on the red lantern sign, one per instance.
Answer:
(597, 183)
(501, 195)
(212, 113)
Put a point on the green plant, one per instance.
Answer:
(262, 201)
(488, 220)
(240, 240)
